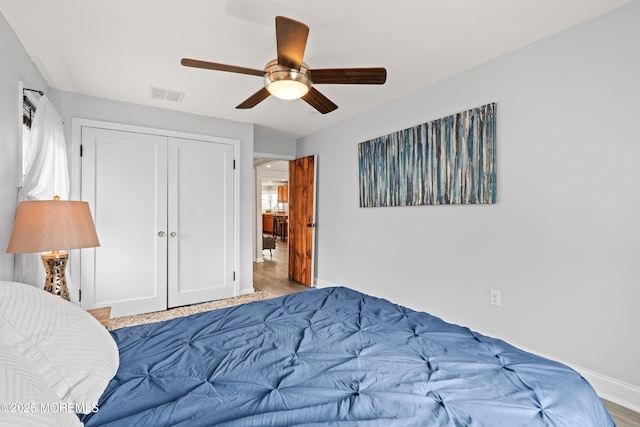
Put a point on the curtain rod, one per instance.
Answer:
(33, 90)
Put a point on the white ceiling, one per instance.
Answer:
(273, 172)
(117, 49)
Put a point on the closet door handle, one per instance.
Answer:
(174, 234)
(161, 233)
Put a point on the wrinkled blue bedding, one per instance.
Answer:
(334, 356)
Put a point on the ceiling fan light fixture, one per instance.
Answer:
(286, 83)
(287, 89)
(288, 77)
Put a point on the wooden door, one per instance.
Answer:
(124, 180)
(302, 219)
(201, 221)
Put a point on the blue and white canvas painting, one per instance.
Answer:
(451, 160)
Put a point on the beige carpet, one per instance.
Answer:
(158, 316)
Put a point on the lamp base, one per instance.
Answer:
(56, 283)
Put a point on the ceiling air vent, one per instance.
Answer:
(165, 94)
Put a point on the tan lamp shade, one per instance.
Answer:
(52, 225)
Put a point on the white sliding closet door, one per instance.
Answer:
(125, 182)
(201, 221)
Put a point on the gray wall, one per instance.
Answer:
(272, 142)
(16, 66)
(73, 105)
(563, 241)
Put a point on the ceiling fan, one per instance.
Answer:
(287, 77)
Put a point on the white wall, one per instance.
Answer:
(16, 66)
(563, 241)
(74, 105)
(273, 142)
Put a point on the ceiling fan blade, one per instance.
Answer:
(254, 99)
(220, 67)
(365, 76)
(319, 101)
(291, 40)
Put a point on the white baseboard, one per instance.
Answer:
(324, 284)
(611, 389)
(245, 291)
(608, 388)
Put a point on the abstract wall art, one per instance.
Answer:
(451, 160)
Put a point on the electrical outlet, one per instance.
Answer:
(496, 297)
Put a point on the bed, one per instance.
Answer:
(333, 356)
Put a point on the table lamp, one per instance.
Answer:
(52, 226)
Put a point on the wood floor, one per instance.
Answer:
(271, 275)
(623, 417)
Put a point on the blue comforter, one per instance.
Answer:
(334, 357)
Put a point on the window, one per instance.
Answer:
(28, 111)
(269, 198)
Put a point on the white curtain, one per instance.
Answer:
(45, 175)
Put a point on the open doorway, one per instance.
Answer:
(270, 268)
(274, 211)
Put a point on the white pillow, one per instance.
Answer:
(71, 350)
(26, 399)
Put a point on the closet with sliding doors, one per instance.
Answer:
(163, 205)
